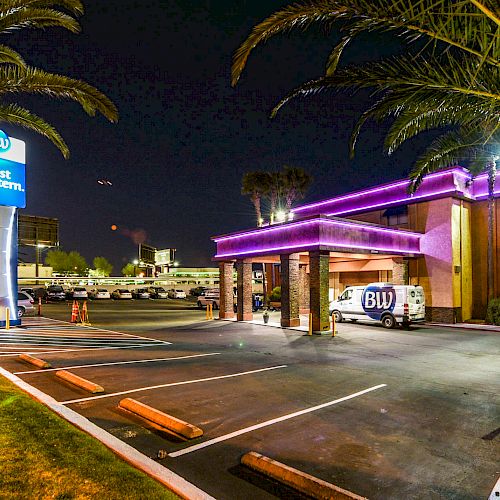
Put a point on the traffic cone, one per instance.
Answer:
(84, 318)
(75, 312)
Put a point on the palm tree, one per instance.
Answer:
(256, 185)
(296, 183)
(17, 77)
(453, 80)
(275, 193)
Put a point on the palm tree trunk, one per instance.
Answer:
(492, 173)
(258, 212)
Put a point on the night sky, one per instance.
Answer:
(185, 137)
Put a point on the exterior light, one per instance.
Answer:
(40, 245)
(176, 264)
(290, 216)
(281, 215)
(135, 262)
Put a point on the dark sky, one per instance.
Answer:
(185, 137)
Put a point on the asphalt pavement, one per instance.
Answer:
(382, 413)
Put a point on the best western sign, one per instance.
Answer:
(12, 171)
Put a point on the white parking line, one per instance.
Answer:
(211, 442)
(118, 363)
(140, 389)
(72, 344)
(79, 350)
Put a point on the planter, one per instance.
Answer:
(275, 305)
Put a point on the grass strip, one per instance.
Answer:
(43, 456)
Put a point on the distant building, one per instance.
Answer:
(191, 276)
(26, 271)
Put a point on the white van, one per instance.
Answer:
(384, 302)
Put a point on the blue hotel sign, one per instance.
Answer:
(12, 171)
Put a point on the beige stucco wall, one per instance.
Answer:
(462, 257)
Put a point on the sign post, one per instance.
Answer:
(12, 197)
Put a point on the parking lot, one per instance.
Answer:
(382, 413)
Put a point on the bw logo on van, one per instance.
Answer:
(377, 300)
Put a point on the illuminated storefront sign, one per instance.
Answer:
(12, 196)
(12, 171)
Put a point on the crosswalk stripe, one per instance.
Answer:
(59, 336)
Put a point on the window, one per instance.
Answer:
(347, 295)
(396, 216)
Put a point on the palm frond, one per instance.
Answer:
(9, 56)
(336, 53)
(461, 24)
(412, 77)
(412, 120)
(36, 81)
(75, 7)
(13, 114)
(450, 149)
(291, 17)
(37, 18)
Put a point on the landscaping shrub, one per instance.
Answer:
(275, 295)
(493, 313)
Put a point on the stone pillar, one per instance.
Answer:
(226, 305)
(399, 271)
(303, 289)
(244, 284)
(290, 290)
(319, 277)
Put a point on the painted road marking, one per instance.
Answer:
(273, 421)
(119, 363)
(78, 350)
(58, 336)
(172, 384)
(495, 492)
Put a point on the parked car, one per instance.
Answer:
(157, 292)
(55, 293)
(209, 296)
(121, 293)
(29, 291)
(24, 304)
(140, 293)
(390, 304)
(78, 293)
(176, 294)
(99, 293)
(199, 290)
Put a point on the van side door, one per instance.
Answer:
(345, 303)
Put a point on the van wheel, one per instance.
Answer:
(388, 321)
(20, 312)
(337, 316)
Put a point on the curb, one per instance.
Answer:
(170, 479)
(162, 419)
(467, 326)
(79, 381)
(40, 363)
(296, 479)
